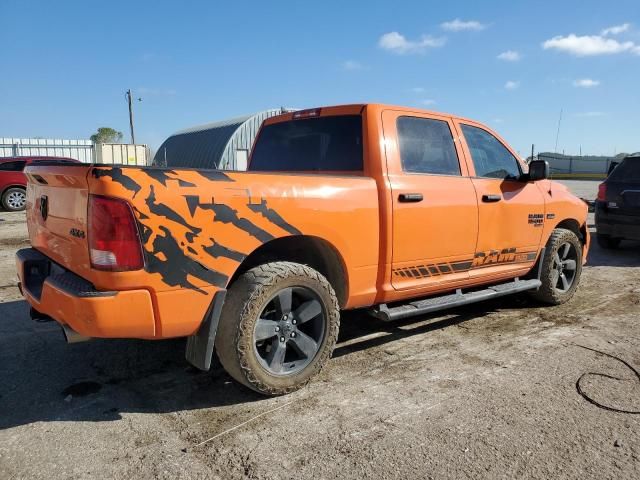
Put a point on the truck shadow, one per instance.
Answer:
(626, 255)
(43, 379)
(356, 325)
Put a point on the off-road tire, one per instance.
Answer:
(607, 241)
(548, 293)
(7, 195)
(244, 303)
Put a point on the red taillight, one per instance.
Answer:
(602, 192)
(114, 243)
(311, 113)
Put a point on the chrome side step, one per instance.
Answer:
(387, 314)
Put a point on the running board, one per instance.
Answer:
(434, 304)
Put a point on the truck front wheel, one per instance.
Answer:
(278, 327)
(561, 268)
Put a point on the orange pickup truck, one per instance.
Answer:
(395, 210)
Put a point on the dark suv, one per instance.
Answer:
(618, 204)
(13, 182)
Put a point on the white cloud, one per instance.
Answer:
(586, 83)
(509, 56)
(352, 65)
(427, 102)
(616, 29)
(396, 43)
(590, 114)
(458, 25)
(588, 45)
(511, 85)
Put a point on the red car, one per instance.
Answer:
(13, 183)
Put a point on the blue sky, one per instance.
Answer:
(511, 64)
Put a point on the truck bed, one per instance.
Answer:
(197, 226)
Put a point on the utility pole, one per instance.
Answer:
(558, 132)
(532, 150)
(133, 137)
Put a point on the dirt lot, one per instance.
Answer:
(484, 391)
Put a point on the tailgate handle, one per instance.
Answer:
(410, 197)
(491, 198)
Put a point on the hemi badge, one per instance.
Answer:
(551, 216)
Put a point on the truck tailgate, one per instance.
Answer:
(57, 199)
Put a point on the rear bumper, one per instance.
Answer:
(618, 226)
(72, 301)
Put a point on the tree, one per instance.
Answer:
(106, 135)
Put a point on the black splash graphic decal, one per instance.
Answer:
(218, 250)
(159, 174)
(225, 214)
(141, 215)
(184, 183)
(215, 175)
(274, 217)
(146, 233)
(192, 203)
(162, 210)
(115, 173)
(178, 266)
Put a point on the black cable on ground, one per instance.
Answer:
(591, 400)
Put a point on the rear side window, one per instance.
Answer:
(491, 158)
(627, 171)
(12, 166)
(426, 146)
(314, 144)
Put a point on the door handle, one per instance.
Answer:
(491, 198)
(410, 197)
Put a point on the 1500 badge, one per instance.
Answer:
(536, 219)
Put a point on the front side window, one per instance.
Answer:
(330, 144)
(426, 146)
(491, 158)
(12, 166)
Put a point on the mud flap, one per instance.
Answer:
(200, 345)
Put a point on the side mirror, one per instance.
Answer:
(538, 170)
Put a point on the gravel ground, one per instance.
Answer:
(484, 391)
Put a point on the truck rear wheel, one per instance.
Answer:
(278, 327)
(561, 268)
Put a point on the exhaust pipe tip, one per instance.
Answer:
(71, 336)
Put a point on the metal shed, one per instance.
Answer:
(225, 144)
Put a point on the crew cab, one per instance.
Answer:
(13, 182)
(394, 210)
